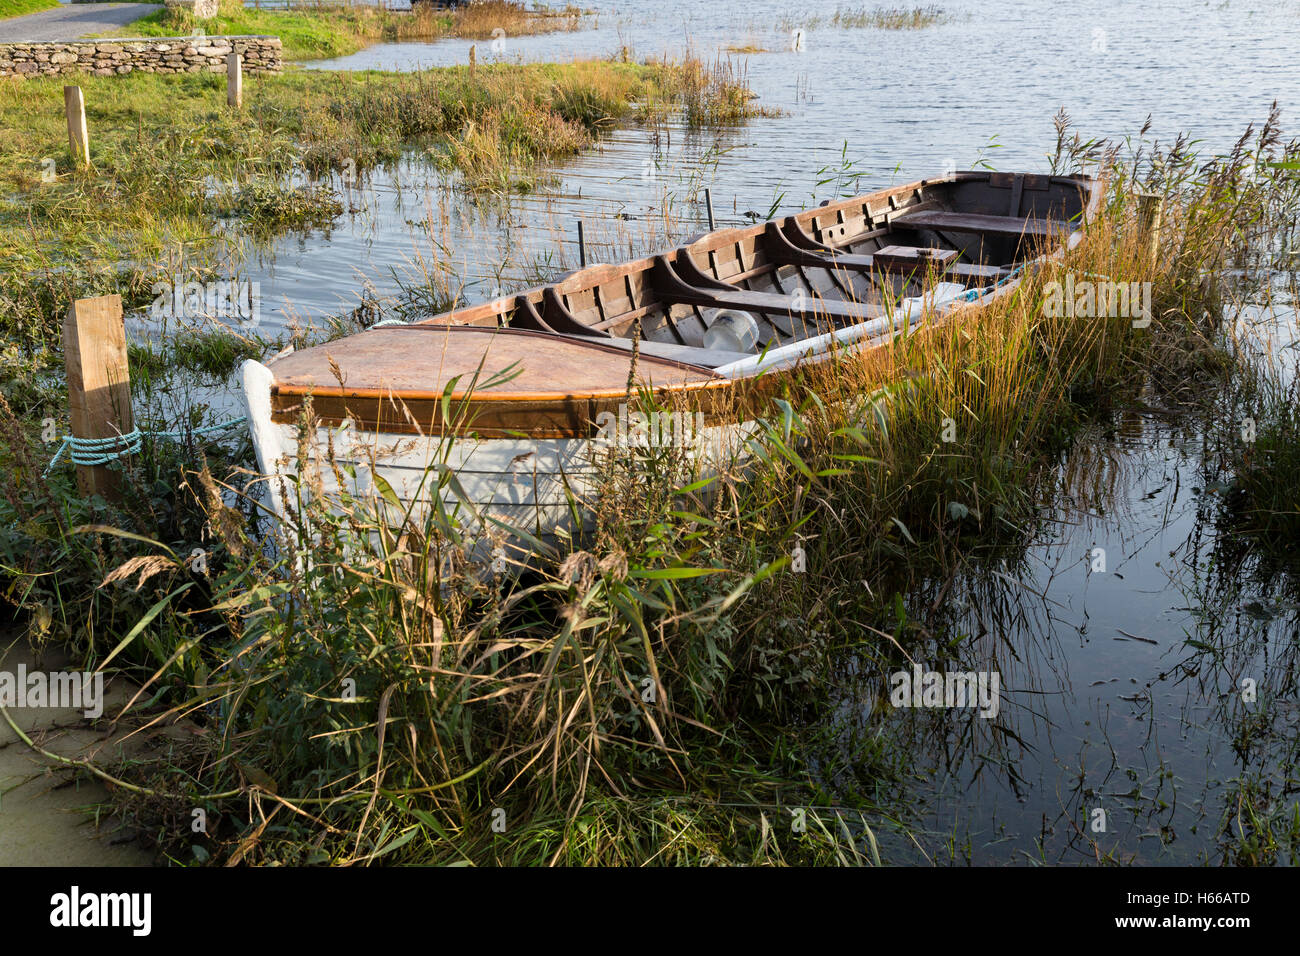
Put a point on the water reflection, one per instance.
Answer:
(989, 81)
(1123, 733)
(1121, 678)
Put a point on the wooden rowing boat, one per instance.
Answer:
(514, 397)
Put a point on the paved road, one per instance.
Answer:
(71, 21)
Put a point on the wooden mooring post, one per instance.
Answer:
(1150, 213)
(234, 80)
(99, 384)
(473, 59)
(78, 140)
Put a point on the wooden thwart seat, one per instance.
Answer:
(797, 249)
(693, 287)
(994, 225)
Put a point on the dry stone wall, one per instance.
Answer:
(262, 54)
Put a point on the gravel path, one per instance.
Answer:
(72, 21)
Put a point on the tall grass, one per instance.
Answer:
(878, 18)
(481, 20)
(168, 162)
(642, 694)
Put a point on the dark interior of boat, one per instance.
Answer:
(779, 282)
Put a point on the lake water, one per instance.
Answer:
(1122, 637)
(904, 104)
(1120, 683)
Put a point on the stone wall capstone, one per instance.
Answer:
(199, 9)
(261, 54)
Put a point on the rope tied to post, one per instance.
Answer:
(101, 451)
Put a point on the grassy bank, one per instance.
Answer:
(174, 173)
(324, 31)
(18, 8)
(653, 694)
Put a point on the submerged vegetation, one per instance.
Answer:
(1264, 441)
(653, 693)
(878, 18)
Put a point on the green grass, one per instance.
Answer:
(168, 158)
(18, 8)
(306, 34)
(521, 702)
(212, 356)
(330, 31)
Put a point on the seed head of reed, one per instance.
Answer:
(482, 19)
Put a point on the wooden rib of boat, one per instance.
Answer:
(528, 385)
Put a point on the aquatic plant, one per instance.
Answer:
(879, 18)
(645, 693)
(171, 167)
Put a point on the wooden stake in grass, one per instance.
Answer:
(234, 80)
(1150, 212)
(78, 140)
(99, 384)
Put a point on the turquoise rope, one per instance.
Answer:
(974, 294)
(101, 451)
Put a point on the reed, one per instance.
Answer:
(631, 697)
(168, 163)
(480, 20)
(877, 18)
(706, 94)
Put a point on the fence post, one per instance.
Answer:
(234, 80)
(99, 383)
(1150, 213)
(74, 105)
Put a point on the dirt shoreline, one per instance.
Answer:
(43, 818)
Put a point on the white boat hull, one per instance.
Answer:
(497, 491)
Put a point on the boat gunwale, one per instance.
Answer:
(566, 403)
(585, 278)
(711, 378)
